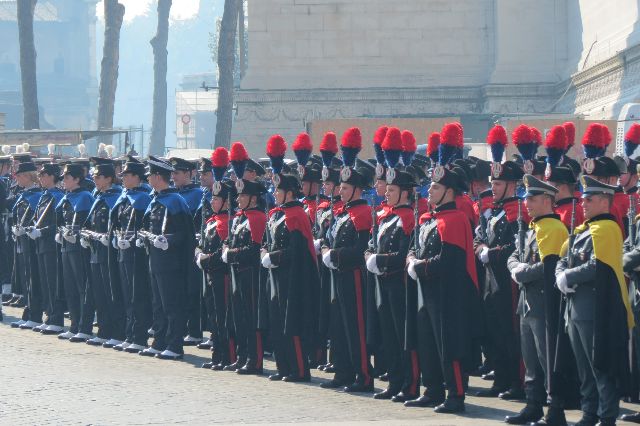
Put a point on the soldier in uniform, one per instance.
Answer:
(218, 277)
(133, 262)
(288, 255)
(170, 239)
(539, 252)
(243, 256)
(386, 258)
(599, 316)
(73, 210)
(344, 255)
(109, 312)
(48, 258)
(25, 269)
(500, 291)
(192, 193)
(444, 268)
(5, 184)
(202, 215)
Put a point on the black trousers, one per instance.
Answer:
(53, 305)
(351, 299)
(402, 365)
(245, 310)
(111, 320)
(168, 289)
(503, 332)
(224, 345)
(289, 351)
(6, 255)
(27, 267)
(136, 301)
(194, 302)
(79, 301)
(438, 374)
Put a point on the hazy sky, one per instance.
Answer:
(180, 9)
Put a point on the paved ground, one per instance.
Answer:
(47, 381)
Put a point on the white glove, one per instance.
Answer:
(70, 237)
(317, 245)
(58, 238)
(84, 242)
(18, 231)
(34, 233)
(326, 259)
(114, 243)
(637, 268)
(104, 240)
(123, 244)
(563, 285)
(161, 242)
(484, 255)
(372, 265)
(139, 242)
(266, 261)
(516, 271)
(412, 269)
(199, 257)
(225, 251)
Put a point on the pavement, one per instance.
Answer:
(48, 381)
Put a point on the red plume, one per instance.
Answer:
(408, 141)
(594, 136)
(302, 143)
(378, 137)
(537, 136)
(607, 135)
(497, 135)
(276, 146)
(570, 130)
(392, 140)
(433, 143)
(352, 138)
(220, 157)
(451, 134)
(633, 134)
(238, 152)
(522, 135)
(557, 138)
(329, 143)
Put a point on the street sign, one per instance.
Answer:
(186, 119)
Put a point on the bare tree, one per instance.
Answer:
(31, 116)
(113, 17)
(226, 65)
(159, 45)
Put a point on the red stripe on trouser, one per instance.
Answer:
(458, 376)
(415, 372)
(232, 350)
(522, 371)
(514, 307)
(259, 351)
(361, 335)
(298, 348)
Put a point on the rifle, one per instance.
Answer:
(416, 197)
(521, 232)
(632, 217)
(572, 236)
(374, 238)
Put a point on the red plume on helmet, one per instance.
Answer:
(276, 148)
(632, 139)
(219, 162)
(409, 147)
(378, 138)
(238, 157)
(497, 140)
(594, 141)
(392, 146)
(328, 148)
(302, 148)
(351, 146)
(524, 140)
(432, 146)
(570, 130)
(451, 143)
(537, 136)
(556, 144)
